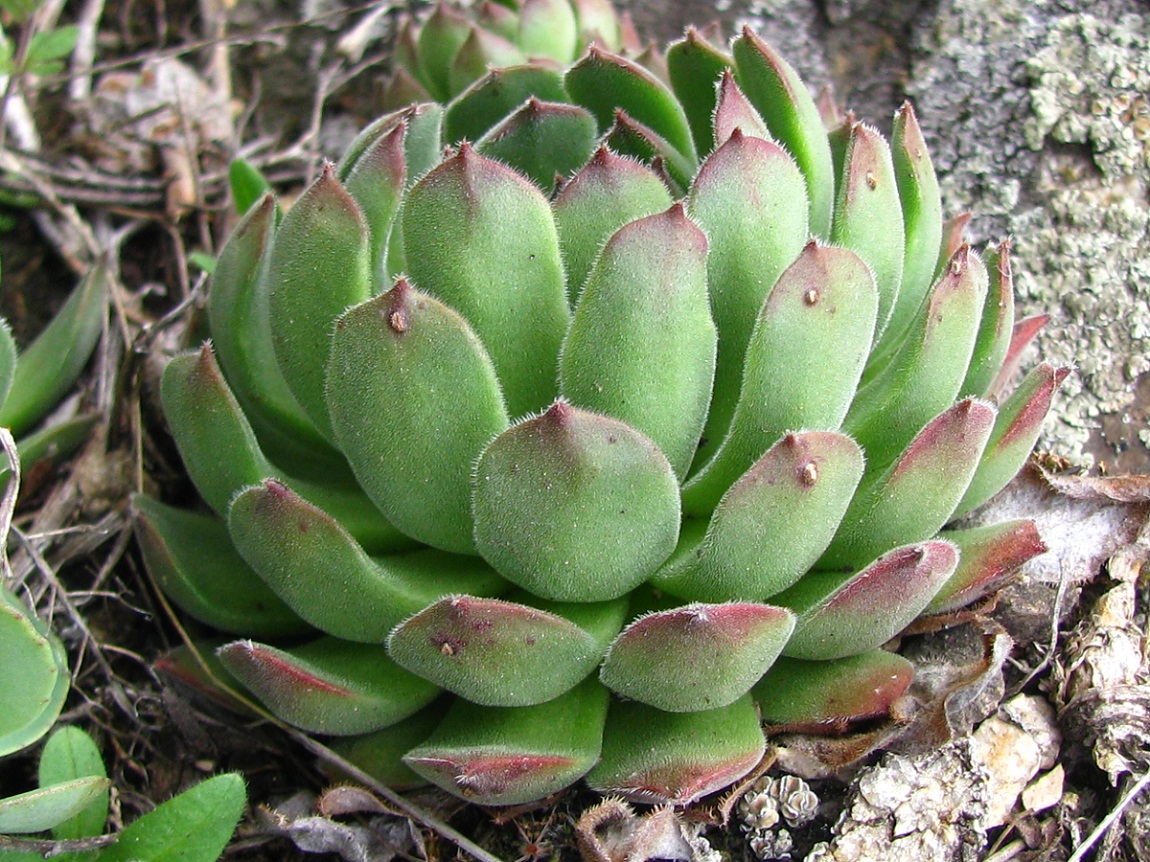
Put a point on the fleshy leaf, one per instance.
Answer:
(503, 653)
(192, 560)
(48, 807)
(918, 493)
(606, 194)
(509, 755)
(71, 754)
(926, 371)
(720, 650)
(574, 506)
(841, 615)
(481, 239)
(734, 111)
(989, 557)
(792, 117)
(314, 565)
(329, 686)
(34, 677)
(675, 758)
(868, 218)
(997, 326)
(414, 399)
(641, 347)
(694, 66)
(802, 365)
(744, 199)
(496, 95)
(1015, 431)
(773, 523)
(544, 140)
(826, 696)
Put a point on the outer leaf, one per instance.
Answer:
(242, 336)
(605, 83)
(676, 757)
(481, 239)
(918, 493)
(921, 207)
(997, 326)
(49, 366)
(380, 753)
(925, 373)
(575, 507)
(641, 346)
(606, 194)
(413, 399)
(511, 755)
(48, 807)
(71, 754)
(247, 184)
(192, 559)
(502, 653)
(695, 66)
(803, 362)
(825, 696)
(329, 685)
(793, 118)
(721, 650)
(990, 557)
(868, 218)
(320, 264)
(222, 455)
(841, 615)
(744, 198)
(1015, 431)
(772, 525)
(193, 827)
(319, 571)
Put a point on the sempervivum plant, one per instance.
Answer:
(640, 387)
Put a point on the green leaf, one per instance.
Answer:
(193, 827)
(51, 363)
(248, 184)
(48, 47)
(71, 754)
(48, 807)
(33, 676)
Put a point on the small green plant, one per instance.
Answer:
(71, 803)
(589, 420)
(39, 52)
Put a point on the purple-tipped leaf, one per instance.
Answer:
(1025, 331)
(733, 111)
(544, 140)
(328, 686)
(511, 755)
(693, 66)
(503, 653)
(1015, 431)
(918, 493)
(990, 557)
(790, 113)
(606, 194)
(841, 615)
(496, 95)
(720, 651)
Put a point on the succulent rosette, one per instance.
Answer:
(637, 416)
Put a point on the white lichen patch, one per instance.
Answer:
(926, 807)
